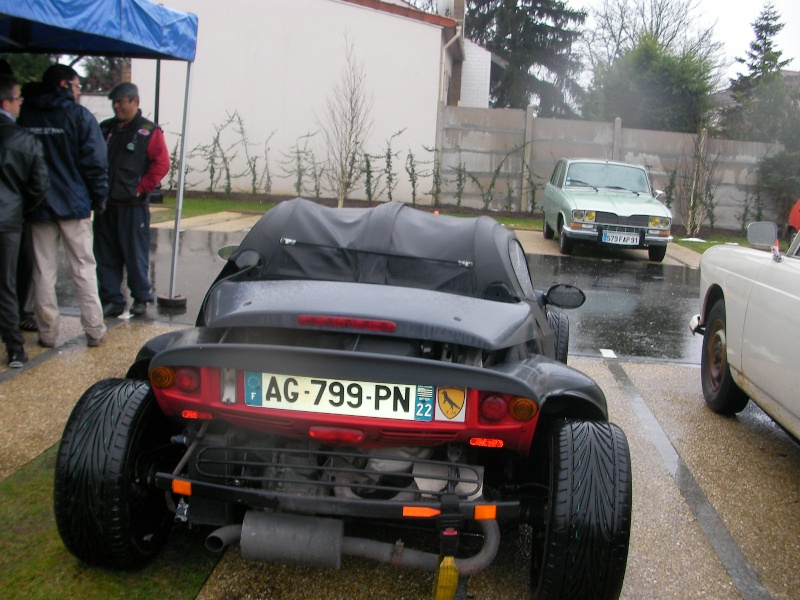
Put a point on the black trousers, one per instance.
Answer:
(9, 305)
(25, 273)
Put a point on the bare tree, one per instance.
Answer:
(620, 24)
(345, 126)
(696, 185)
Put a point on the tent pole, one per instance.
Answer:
(158, 90)
(173, 300)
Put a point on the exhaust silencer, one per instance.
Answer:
(319, 542)
(292, 539)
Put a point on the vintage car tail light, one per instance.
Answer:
(493, 407)
(335, 322)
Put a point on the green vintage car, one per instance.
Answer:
(602, 202)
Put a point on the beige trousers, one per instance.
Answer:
(77, 238)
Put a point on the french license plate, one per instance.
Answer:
(339, 397)
(623, 239)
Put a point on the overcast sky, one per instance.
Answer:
(734, 19)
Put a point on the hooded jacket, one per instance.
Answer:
(74, 150)
(23, 174)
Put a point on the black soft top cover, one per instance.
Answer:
(390, 244)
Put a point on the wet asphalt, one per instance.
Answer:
(716, 500)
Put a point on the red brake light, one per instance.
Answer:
(187, 379)
(347, 323)
(493, 408)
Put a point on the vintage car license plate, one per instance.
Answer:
(624, 239)
(339, 397)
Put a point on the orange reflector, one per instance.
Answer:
(485, 512)
(420, 512)
(193, 414)
(523, 409)
(183, 488)
(486, 442)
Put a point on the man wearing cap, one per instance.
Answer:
(138, 160)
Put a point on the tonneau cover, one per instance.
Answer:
(391, 244)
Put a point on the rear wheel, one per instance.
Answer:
(720, 391)
(580, 549)
(559, 323)
(106, 513)
(656, 253)
(564, 243)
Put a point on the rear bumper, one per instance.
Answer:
(337, 507)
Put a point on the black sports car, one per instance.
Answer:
(380, 366)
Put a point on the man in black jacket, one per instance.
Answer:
(138, 159)
(76, 157)
(23, 183)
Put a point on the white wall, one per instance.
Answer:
(275, 62)
(475, 76)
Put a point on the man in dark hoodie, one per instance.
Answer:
(23, 183)
(76, 157)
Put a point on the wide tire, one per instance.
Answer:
(720, 391)
(105, 512)
(582, 549)
(559, 323)
(547, 231)
(656, 253)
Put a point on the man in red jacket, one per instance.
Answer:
(137, 161)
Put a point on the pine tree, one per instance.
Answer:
(761, 104)
(535, 38)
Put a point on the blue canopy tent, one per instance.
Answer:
(127, 28)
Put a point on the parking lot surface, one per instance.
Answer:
(716, 509)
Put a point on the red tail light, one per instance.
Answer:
(493, 408)
(187, 379)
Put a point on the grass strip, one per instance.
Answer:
(36, 565)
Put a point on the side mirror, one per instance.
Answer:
(565, 296)
(762, 233)
(226, 251)
(657, 193)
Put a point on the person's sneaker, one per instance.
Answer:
(139, 307)
(17, 358)
(93, 342)
(113, 310)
